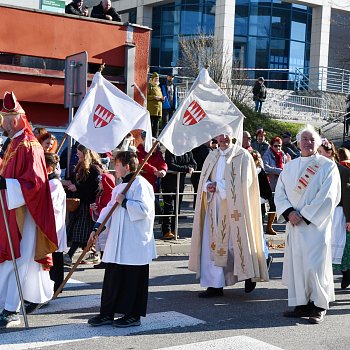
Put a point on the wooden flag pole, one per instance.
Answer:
(61, 143)
(90, 242)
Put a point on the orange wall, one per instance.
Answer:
(36, 33)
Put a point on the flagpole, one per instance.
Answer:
(115, 205)
(61, 143)
(14, 261)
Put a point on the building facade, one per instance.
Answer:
(259, 34)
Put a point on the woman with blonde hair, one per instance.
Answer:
(84, 185)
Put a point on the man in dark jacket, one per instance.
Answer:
(76, 7)
(184, 164)
(104, 10)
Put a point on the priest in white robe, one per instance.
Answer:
(129, 249)
(227, 243)
(307, 192)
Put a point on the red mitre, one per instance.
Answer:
(11, 104)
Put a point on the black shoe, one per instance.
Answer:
(31, 307)
(9, 319)
(345, 282)
(100, 320)
(269, 261)
(249, 286)
(101, 265)
(317, 315)
(299, 311)
(127, 321)
(211, 293)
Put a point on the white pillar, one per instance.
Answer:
(144, 15)
(224, 30)
(320, 30)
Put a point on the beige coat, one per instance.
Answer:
(243, 218)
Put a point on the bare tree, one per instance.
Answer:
(200, 50)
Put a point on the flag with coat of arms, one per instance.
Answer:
(203, 115)
(106, 115)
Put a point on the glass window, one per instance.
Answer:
(241, 20)
(298, 26)
(259, 22)
(297, 55)
(280, 23)
(167, 24)
(190, 20)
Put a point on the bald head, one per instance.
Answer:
(11, 124)
(106, 4)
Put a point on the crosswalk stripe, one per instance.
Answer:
(49, 336)
(231, 343)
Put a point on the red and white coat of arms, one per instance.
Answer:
(102, 116)
(193, 114)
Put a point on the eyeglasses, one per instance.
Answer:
(277, 146)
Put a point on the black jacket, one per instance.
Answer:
(97, 12)
(72, 9)
(177, 163)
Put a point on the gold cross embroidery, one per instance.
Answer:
(213, 246)
(236, 215)
(222, 252)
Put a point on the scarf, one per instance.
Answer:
(279, 158)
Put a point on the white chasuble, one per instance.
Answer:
(307, 267)
(227, 241)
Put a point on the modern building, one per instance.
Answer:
(259, 34)
(269, 34)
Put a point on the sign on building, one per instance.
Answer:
(53, 5)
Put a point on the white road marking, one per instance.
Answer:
(231, 343)
(72, 283)
(61, 304)
(48, 336)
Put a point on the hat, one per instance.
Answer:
(154, 75)
(261, 79)
(11, 105)
(170, 75)
(286, 134)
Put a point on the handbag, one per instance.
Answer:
(72, 204)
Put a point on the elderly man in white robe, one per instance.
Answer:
(307, 192)
(129, 248)
(227, 239)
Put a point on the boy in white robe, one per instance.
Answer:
(307, 193)
(129, 248)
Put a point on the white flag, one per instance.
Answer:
(106, 115)
(204, 114)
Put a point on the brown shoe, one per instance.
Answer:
(168, 235)
(299, 311)
(271, 231)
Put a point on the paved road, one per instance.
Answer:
(178, 319)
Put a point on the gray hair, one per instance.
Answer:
(309, 128)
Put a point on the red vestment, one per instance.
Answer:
(24, 161)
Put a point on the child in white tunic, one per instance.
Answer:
(129, 248)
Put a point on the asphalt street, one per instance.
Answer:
(178, 319)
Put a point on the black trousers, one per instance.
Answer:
(155, 125)
(125, 290)
(57, 270)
